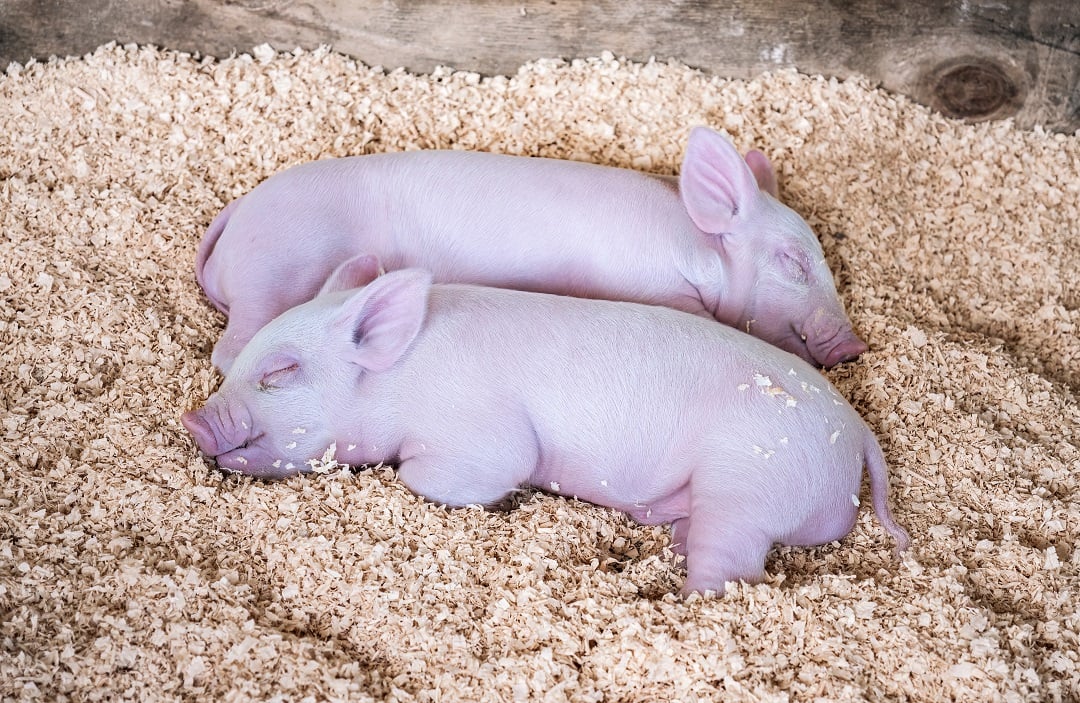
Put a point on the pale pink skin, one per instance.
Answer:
(715, 242)
(474, 392)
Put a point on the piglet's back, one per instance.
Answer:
(643, 375)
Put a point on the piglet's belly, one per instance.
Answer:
(666, 509)
(648, 507)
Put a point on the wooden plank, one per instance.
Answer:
(978, 59)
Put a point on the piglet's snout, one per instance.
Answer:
(846, 350)
(830, 339)
(216, 431)
(204, 436)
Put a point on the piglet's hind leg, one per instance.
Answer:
(722, 546)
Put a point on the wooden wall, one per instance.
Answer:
(977, 59)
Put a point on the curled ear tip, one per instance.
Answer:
(700, 135)
(711, 141)
(398, 285)
(704, 129)
(699, 132)
(756, 157)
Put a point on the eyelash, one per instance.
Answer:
(796, 267)
(264, 386)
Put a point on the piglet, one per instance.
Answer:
(715, 242)
(474, 392)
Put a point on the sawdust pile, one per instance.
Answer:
(131, 569)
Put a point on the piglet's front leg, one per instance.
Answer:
(456, 480)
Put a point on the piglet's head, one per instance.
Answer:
(288, 395)
(244, 323)
(772, 280)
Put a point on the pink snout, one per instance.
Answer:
(825, 353)
(830, 340)
(232, 446)
(222, 431)
(200, 429)
(847, 350)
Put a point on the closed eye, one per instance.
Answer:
(795, 268)
(273, 379)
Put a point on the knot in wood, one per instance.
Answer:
(973, 90)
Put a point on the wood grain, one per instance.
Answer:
(974, 59)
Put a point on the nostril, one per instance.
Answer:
(193, 422)
(200, 430)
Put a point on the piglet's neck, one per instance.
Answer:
(708, 280)
(365, 431)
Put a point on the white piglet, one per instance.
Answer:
(474, 392)
(714, 242)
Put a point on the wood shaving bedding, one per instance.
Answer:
(131, 569)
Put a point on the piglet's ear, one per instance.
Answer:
(715, 182)
(377, 324)
(356, 272)
(764, 173)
